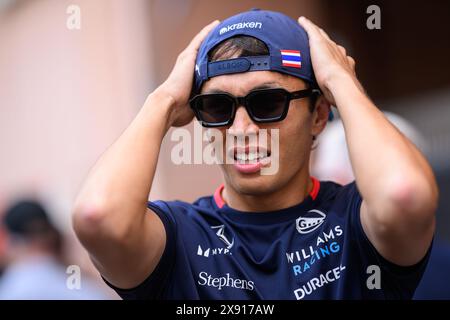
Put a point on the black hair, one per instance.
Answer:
(28, 220)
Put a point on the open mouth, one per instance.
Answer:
(250, 155)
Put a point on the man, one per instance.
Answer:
(278, 236)
(34, 258)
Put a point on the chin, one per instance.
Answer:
(252, 184)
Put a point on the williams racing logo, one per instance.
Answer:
(310, 221)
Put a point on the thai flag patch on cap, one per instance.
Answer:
(291, 58)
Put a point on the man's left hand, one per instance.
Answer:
(332, 66)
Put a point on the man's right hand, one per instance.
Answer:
(179, 83)
(124, 238)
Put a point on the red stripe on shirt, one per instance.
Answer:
(220, 202)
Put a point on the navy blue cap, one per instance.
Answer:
(286, 40)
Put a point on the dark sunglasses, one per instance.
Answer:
(265, 105)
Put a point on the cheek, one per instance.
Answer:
(295, 141)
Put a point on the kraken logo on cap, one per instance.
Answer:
(241, 25)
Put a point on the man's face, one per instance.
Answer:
(295, 132)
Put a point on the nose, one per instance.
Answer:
(243, 124)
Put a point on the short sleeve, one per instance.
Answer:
(153, 287)
(397, 282)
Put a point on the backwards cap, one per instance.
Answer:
(286, 40)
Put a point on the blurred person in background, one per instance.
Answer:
(33, 258)
(2, 250)
(330, 161)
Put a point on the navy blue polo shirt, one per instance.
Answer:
(316, 249)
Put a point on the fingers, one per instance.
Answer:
(342, 50)
(196, 42)
(311, 29)
(324, 34)
(314, 31)
(351, 61)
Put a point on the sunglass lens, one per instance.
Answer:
(214, 109)
(267, 105)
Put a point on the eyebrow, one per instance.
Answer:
(265, 85)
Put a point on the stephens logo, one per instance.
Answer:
(310, 221)
(221, 282)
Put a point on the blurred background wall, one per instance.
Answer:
(65, 95)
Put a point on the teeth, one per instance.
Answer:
(251, 156)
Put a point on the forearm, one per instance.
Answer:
(395, 181)
(115, 192)
(385, 163)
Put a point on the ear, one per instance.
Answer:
(320, 115)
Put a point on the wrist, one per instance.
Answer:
(341, 82)
(160, 105)
(164, 95)
(344, 85)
